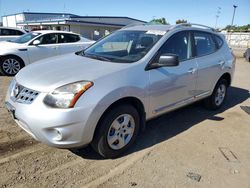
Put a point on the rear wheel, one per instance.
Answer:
(217, 99)
(117, 131)
(10, 65)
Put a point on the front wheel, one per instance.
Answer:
(217, 99)
(117, 131)
(10, 65)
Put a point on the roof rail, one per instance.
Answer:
(132, 25)
(192, 24)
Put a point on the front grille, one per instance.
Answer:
(23, 95)
(27, 96)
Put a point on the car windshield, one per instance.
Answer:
(124, 46)
(25, 38)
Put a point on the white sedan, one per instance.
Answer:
(38, 45)
(8, 33)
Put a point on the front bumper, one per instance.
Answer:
(62, 128)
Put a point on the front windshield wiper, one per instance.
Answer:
(96, 57)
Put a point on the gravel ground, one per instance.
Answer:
(191, 147)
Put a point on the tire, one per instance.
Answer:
(10, 65)
(217, 99)
(110, 139)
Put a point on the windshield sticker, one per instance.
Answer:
(156, 32)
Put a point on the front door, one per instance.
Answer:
(171, 87)
(48, 47)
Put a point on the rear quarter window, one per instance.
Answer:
(218, 41)
(69, 38)
(204, 43)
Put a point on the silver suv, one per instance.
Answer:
(104, 95)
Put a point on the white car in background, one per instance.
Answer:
(8, 33)
(37, 45)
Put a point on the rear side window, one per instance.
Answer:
(68, 38)
(10, 32)
(218, 40)
(19, 32)
(204, 43)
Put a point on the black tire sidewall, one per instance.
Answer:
(100, 143)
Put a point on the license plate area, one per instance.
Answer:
(11, 109)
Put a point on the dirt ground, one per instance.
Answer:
(191, 147)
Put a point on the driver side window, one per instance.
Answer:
(49, 39)
(178, 44)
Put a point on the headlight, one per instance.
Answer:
(67, 95)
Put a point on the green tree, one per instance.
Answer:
(159, 21)
(244, 28)
(179, 21)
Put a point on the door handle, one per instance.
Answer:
(54, 47)
(192, 70)
(221, 63)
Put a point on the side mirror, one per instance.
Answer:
(165, 60)
(168, 60)
(36, 42)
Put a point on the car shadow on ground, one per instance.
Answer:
(174, 123)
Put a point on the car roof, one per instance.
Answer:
(13, 28)
(148, 27)
(187, 26)
(53, 31)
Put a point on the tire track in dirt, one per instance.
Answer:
(15, 146)
(118, 169)
(21, 154)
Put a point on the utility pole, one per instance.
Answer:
(217, 16)
(235, 6)
(0, 10)
(229, 41)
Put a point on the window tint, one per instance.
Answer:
(25, 38)
(10, 32)
(219, 41)
(49, 39)
(19, 33)
(204, 43)
(68, 38)
(179, 44)
(124, 46)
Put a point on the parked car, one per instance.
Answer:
(247, 52)
(104, 95)
(37, 45)
(8, 33)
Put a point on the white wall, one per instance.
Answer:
(238, 39)
(11, 21)
(89, 31)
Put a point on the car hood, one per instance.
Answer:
(49, 74)
(5, 45)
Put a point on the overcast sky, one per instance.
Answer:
(195, 11)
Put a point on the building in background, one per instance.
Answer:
(92, 27)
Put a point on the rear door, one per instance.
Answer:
(69, 43)
(171, 87)
(210, 62)
(48, 47)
